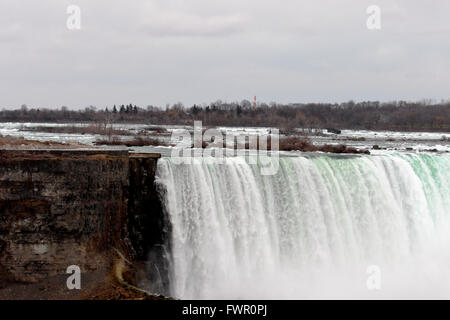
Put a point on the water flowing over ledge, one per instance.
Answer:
(312, 229)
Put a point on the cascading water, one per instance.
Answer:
(312, 229)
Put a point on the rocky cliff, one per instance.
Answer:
(74, 207)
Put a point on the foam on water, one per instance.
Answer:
(312, 229)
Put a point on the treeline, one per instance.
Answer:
(398, 115)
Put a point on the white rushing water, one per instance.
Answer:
(312, 229)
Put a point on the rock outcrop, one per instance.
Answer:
(74, 207)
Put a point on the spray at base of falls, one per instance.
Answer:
(312, 229)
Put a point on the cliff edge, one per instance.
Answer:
(88, 208)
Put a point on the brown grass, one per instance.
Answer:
(137, 141)
(18, 142)
(305, 145)
(302, 144)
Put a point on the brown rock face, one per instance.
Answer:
(62, 208)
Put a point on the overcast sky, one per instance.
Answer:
(195, 51)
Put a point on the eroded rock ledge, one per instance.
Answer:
(74, 207)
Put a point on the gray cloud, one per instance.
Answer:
(178, 23)
(165, 51)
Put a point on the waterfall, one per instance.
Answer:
(312, 229)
